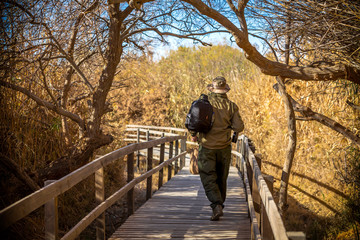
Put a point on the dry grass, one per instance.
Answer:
(161, 93)
(317, 192)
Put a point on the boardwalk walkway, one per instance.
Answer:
(180, 210)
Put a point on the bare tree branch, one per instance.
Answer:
(14, 168)
(353, 105)
(58, 45)
(269, 67)
(309, 114)
(44, 103)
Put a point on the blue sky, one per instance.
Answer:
(162, 50)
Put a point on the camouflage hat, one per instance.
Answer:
(218, 85)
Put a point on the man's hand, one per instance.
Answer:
(194, 138)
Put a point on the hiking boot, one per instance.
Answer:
(217, 213)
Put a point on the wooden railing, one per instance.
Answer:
(266, 222)
(48, 194)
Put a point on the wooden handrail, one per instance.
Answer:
(25, 206)
(246, 158)
(270, 207)
(276, 222)
(151, 131)
(159, 128)
(254, 220)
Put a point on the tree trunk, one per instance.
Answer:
(94, 136)
(64, 101)
(112, 59)
(15, 169)
(290, 151)
(65, 165)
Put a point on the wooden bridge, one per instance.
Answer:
(179, 208)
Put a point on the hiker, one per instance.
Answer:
(215, 146)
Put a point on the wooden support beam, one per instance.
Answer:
(255, 233)
(149, 167)
(275, 219)
(130, 177)
(255, 194)
(99, 198)
(183, 149)
(171, 149)
(237, 159)
(265, 226)
(51, 217)
(176, 153)
(138, 152)
(162, 158)
(149, 179)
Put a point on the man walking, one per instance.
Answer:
(215, 146)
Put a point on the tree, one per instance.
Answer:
(320, 66)
(64, 56)
(90, 38)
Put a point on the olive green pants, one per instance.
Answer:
(214, 167)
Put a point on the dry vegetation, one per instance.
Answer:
(160, 94)
(318, 191)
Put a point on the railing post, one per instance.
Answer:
(171, 148)
(242, 151)
(130, 176)
(51, 217)
(99, 198)
(149, 167)
(147, 156)
(176, 153)
(237, 162)
(138, 152)
(255, 192)
(265, 226)
(162, 157)
(247, 161)
(183, 149)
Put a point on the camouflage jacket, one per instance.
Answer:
(227, 118)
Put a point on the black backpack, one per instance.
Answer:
(200, 116)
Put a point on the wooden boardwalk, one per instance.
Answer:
(180, 210)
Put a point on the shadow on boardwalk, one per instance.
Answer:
(180, 210)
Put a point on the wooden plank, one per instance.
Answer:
(265, 224)
(150, 131)
(149, 179)
(271, 209)
(51, 217)
(180, 210)
(171, 148)
(162, 158)
(100, 197)
(254, 222)
(158, 128)
(176, 167)
(130, 177)
(183, 149)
